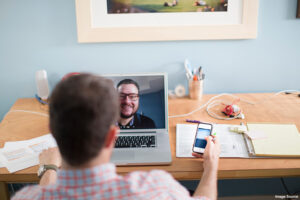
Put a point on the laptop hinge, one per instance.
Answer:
(141, 132)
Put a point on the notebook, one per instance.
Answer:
(143, 138)
(281, 140)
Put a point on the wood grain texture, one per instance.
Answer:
(280, 109)
(4, 194)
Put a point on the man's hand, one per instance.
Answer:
(50, 156)
(208, 184)
(211, 153)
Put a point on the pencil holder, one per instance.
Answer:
(196, 89)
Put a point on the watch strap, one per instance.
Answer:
(47, 167)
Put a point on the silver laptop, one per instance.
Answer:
(143, 138)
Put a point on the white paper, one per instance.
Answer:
(22, 163)
(1, 159)
(232, 144)
(23, 154)
(185, 135)
(47, 141)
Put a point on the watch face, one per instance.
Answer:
(41, 169)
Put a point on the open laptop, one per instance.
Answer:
(143, 138)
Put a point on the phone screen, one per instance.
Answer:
(203, 131)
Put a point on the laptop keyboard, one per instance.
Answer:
(135, 141)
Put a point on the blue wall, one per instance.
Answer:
(41, 34)
(152, 105)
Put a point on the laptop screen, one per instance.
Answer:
(142, 101)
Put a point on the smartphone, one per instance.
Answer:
(203, 130)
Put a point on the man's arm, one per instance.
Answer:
(48, 178)
(208, 184)
(47, 157)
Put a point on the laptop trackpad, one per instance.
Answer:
(123, 155)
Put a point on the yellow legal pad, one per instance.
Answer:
(282, 140)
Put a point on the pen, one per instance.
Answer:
(200, 73)
(40, 100)
(187, 76)
(187, 68)
(193, 121)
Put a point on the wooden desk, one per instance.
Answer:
(280, 109)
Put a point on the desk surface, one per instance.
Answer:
(280, 109)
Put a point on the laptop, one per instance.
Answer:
(144, 137)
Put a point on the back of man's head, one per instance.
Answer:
(82, 110)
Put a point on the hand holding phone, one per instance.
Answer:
(203, 130)
(210, 166)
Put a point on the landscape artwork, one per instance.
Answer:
(165, 6)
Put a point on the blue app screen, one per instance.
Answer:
(200, 138)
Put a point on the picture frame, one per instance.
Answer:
(247, 29)
(298, 9)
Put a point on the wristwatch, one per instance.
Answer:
(44, 168)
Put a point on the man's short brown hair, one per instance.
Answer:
(82, 110)
(128, 81)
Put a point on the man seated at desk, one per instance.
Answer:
(84, 110)
(129, 91)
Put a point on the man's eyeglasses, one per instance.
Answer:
(131, 96)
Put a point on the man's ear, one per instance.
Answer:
(111, 136)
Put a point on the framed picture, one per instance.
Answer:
(298, 9)
(162, 20)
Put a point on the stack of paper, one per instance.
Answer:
(19, 155)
